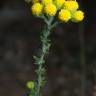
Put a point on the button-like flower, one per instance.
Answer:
(71, 5)
(45, 2)
(37, 9)
(30, 84)
(50, 9)
(78, 15)
(64, 15)
(59, 3)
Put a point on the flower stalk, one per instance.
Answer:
(40, 61)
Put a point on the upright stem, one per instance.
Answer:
(44, 50)
(82, 60)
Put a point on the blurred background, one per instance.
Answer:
(70, 65)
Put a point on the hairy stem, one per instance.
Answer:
(44, 50)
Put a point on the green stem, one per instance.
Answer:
(44, 50)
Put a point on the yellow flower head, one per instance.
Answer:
(50, 9)
(45, 2)
(71, 5)
(35, 1)
(59, 3)
(78, 15)
(64, 15)
(30, 84)
(37, 9)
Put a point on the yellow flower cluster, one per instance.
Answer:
(37, 9)
(78, 15)
(71, 5)
(65, 9)
(50, 9)
(64, 15)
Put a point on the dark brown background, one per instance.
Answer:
(19, 40)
